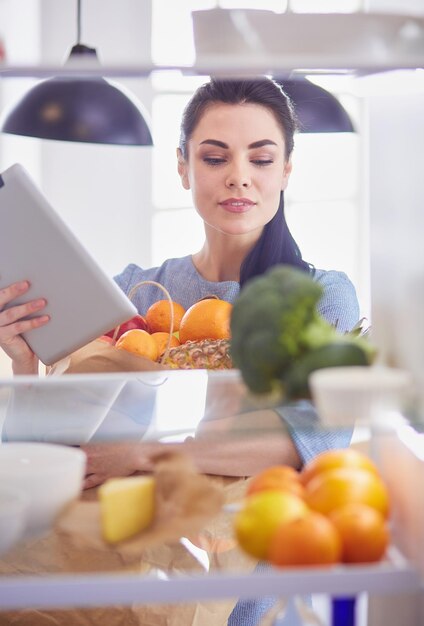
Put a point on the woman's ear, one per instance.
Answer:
(286, 174)
(183, 169)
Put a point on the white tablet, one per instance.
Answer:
(36, 245)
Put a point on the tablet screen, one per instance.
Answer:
(36, 245)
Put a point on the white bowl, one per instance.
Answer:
(359, 394)
(50, 475)
(14, 505)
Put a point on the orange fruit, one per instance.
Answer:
(363, 531)
(140, 342)
(276, 477)
(307, 540)
(161, 339)
(206, 319)
(331, 459)
(334, 488)
(261, 515)
(158, 316)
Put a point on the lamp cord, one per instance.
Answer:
(78, 21)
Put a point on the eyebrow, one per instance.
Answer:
(251, 146)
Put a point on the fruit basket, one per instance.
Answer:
(196, 338)
(166, 337)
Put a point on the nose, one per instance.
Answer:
(238, 177)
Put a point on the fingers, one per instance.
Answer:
(16, 313)
(10, 328)
(7, 294)
(12, 320)
(93, 480)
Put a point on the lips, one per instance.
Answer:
(237, 205)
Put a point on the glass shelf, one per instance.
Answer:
(167, 405)
(77, 408)
(393, 576)
(247, 42)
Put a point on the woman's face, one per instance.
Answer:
(236, 167)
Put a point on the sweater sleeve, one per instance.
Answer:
(124, 279)
(339, 303)
(308, 434)
(339, 306)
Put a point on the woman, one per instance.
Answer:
(235, 157)
(235, 150)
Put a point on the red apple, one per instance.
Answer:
(105, 338)
(137, 321)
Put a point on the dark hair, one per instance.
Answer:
(276, 244)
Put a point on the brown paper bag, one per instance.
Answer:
(68, 550)
(184, 502)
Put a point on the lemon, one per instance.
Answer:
(261, 515)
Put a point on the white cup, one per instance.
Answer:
(359, 394)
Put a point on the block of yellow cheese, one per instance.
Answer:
(126, 506)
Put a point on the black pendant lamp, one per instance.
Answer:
(89, 110)
(317, 110)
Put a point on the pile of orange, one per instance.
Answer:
(158, 316)
(334, 511)
(206, 319)
(139, 342)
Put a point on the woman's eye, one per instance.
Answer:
(262, 162)
(213, 160)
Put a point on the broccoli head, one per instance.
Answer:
(275, 325)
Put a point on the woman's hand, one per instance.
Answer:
(110, 460)
(13, 324)
(210, 452)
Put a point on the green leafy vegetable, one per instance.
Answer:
(278, 338)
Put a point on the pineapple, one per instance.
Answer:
(211, 354)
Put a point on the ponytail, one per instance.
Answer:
(276, 245)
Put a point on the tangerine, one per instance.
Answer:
(336, 487)
(162, 338)
(363, 531)
(206, 319)
(138, 341)
(276, 477)
(310, 539)
(158, 316)
(331, 459)
(261, 515)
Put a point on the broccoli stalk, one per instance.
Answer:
(319, 333)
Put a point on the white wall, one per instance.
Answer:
(407, 7)
(396, 144)
(396, 199)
